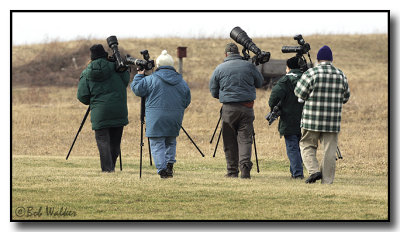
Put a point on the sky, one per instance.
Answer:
(39, 27)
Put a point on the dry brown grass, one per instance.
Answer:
(45, 119)
(41, 115)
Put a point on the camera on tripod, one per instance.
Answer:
(121, 65)
(304, 48)
(274, 114)
(241, 37)
(146, 64)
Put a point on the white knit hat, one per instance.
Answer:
(164, 59)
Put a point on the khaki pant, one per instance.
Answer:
(237, 134)
(308, 148)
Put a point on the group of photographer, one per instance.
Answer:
(104, 90)
(310, 105)
(309, 101)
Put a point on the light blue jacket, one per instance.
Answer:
(167, 96)
(235, 80)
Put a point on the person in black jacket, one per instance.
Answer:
(291, 109)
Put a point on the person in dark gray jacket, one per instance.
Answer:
(234, 83)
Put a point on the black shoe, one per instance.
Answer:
(245, 173)
(163, 174)
(170, 170)
(298, 177)
(231, 175)
(314, 177)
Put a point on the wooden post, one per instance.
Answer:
(180, 64)
(181, 53)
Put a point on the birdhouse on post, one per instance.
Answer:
(181, 53)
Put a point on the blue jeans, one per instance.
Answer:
(293, 153)
(163, 150)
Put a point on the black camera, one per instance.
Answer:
(146, 64)
(120, 66)
(241, 37)
(304, 48)
(274, 114)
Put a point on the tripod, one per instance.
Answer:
(219, 136)
(79, 130)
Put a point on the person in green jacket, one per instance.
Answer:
(104, 89)
(291, 109)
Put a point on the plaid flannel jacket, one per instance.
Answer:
(325, 89)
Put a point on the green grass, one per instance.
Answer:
(198, 191)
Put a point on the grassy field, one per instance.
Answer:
(45, 120)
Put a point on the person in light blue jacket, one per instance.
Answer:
(167, 96)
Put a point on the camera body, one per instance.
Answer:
(274, 114)
(304, 48)
(241, 37)
(121, 65)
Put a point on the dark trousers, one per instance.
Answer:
(237, 134)
(109, 144)
(293, 153)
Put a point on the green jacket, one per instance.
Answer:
(104, 89)
(289, 121)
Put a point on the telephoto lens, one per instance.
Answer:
(119, 63)
(241, 37)
(112, 40)
(291, 49)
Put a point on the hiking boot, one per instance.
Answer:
(163, 174)
(314, 177)
(245, 171)
(170, 170)
(231, 175)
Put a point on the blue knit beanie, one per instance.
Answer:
(325, 53)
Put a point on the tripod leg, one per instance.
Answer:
(148, 142)
(141, 150)
(255, 151)
(120, 161)
(192, 141)
(219, 137)
(339, 154)
(79, 130)
(216, 127)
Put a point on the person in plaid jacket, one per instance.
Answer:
(324, 89)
